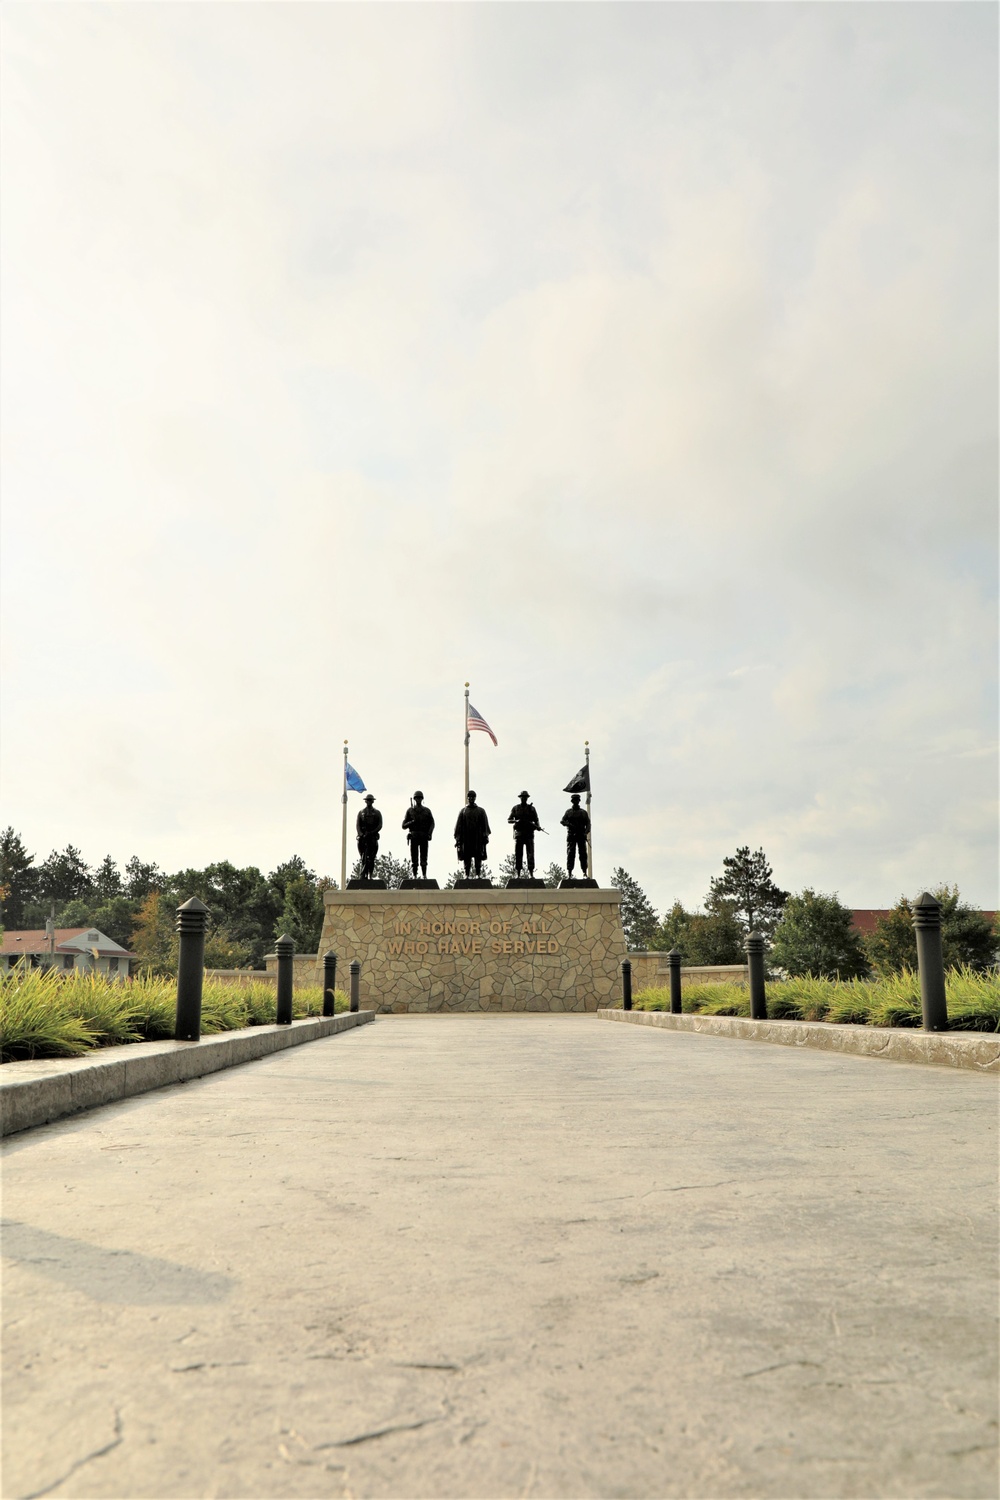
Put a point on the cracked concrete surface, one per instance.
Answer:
(509, 1256)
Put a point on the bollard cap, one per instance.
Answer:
(192, 916)
(355, 966)
(675, 954)
(284, 944)
(329, 953)
(754, 941)
(926, 911)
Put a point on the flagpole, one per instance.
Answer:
(343, 828)
(466, 744)
(590, 844)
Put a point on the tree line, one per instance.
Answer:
(136, 905)
(808, 933)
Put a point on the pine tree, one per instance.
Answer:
(64, 877)
(639, 921)
(18, 881)
(107, 880)
(747, 885)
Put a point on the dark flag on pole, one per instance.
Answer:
(581, 781)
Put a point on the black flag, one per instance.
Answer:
(581, 781)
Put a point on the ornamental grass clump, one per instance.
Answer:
(892, 1000)
(46, 1014)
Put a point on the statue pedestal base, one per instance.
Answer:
(367, 885)
(473, 883)
(525, 883)
(419, 885)
(479, 950)
(578, 885)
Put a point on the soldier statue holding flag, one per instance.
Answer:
(576, 821)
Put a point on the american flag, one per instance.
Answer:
(476, 721)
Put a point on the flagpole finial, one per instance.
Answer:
(467, 684)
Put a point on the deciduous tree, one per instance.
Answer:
(816, 935)
(968, 937)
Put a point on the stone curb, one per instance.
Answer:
(43, 1089)
(978, 1050)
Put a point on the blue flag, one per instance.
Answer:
(354, 782)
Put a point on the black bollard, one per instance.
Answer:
(755, 963)
(626, 984)
(674, 965)
(284, 947)
(930, 962)
(329, 981)
(355, 984)
(192, 919)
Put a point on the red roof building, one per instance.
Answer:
(66, 949)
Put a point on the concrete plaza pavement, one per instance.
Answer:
(509, 1256)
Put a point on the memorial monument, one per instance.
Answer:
(527, 947)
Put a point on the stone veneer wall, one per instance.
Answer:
(499, 950)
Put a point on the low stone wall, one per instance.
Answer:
(499, 950)
(38, 1090)
(946, 1049)
(650, 971)
(306, 970)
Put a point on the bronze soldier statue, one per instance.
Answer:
(419, 824)
(369, 826)
(472, 834)
(576, 821)
(525, 821)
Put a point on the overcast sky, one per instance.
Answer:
(637, 363)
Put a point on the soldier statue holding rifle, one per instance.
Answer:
(419, 824)
(526, 825)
